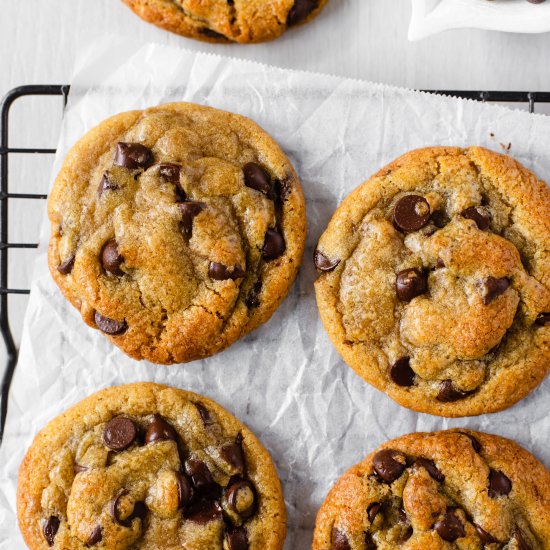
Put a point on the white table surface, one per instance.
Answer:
(355, 38)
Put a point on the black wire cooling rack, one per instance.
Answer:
(526, 98)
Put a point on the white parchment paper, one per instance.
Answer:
(285, 380)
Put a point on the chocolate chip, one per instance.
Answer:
(95, 536)
(431, 468)
(50, 528)
(220, 272)
(386, 465)
(212, 33)
(403, 515)
(406, 535)
(185, 491)
(106, 184)
(369, 543)
(204, 511)
(300, 11)
(236, 539)
(410, 283)
(322, 263)
(475, 443)
(339, 540)
(543, 319)
(522, 543)
(411, 213)
(109, 326)
(79, 468)
(133, 155)
(401, 372)
(67, 266)
(189, 210)
(448, 393)
(478, 214)
(170, 172)
(113, 509)
(274, 245)
(484, 537)
(242, 499)
(450, 527)
(200, 475)
(499, 484)
(252, 300)
(111, 259)
(205, 414)
(160, 430)
(256, 178)
(140, 511)
(492, 288)
(119, 433)
(439, 264)
(440, 219)
(372, 510)
(233, 453)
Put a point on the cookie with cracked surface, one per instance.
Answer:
(149, 466)
(176, 230)
(434, 281)
(432, 491)
(225, 21)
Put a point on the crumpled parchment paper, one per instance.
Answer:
(285, 380)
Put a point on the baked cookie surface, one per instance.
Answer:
(176, 230)
(435, 491)
(225, 21)
(153, 467)
(434, 281)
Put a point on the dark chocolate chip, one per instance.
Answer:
(339, 540)
(406, 535)
(253, 298)
(410, 283)
(475, 443)
(133, 155)
(111, 259)
(450, 527)
(212, 33)
(300, 11)
(113, 509)
(204, 511)
(189, 210)
(478, 214)
(369, 543)
(109, 326)
(522, 543)
(431, 468)
(484, 537)
(170, 172)
(492, 288)
(79, 468)
(50, 528)
(543, 319)
(403, 515)
(411, 213)
(386, 465)
(439, 264)
(67, 266)
(160, 430)
(256, 178)
(95, 536)
(220, 272)
(322, 263)
(200, 475)
(242, 492)
(274, 245)
(139, 511)
(185, 491)
(448, 393)
(233, 453)
(205, 414)
(236, 539)
(119, 433)
(440, 219)
(106, 184)
(499, 484)
(372, 510)
(401, 372)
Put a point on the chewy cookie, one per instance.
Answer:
(432, 491)
(225, 21)
(176, 230)
(149, 466)
(434, 281)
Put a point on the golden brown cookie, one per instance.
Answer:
(436, 491)
(226, 21)
(434, 281)
(176, 230)
(146, 466)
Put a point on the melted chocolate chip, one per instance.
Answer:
(50, 528)
(160, 430)
(372, 510)
(411, 213)
(448, 393)
(401, 372)
(410, 283)
(450, 527)
(406, 535)
(499, 484)
(189, 210)
(78, 468)
(205, 414)
(200, 475)
(300, 11)
(95, 536)
(431, 468)
(133, 155)
(236, 539)
(283, 188)
(212, 33)
(478, 214)
(67, 266)
(274, 245)
(339, 540)
(322, 263)
(492, 288)
(475, 443)
(252, 300)
(220, 272)
(484, 537)
(106, 185)
(185, 491)
(543, 319)
(204, 512)
(111, 259)
(170, 172)
(386, 465)
(233, 453)
(109, 326)
(139, 511)
(119, 433)
(242, 499)
(256, 178)
(440, 219)
(369, 543)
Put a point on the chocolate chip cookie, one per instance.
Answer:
(434, 281)
(431, 491)
(176, 230)
(226, 21)
(149, 466)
